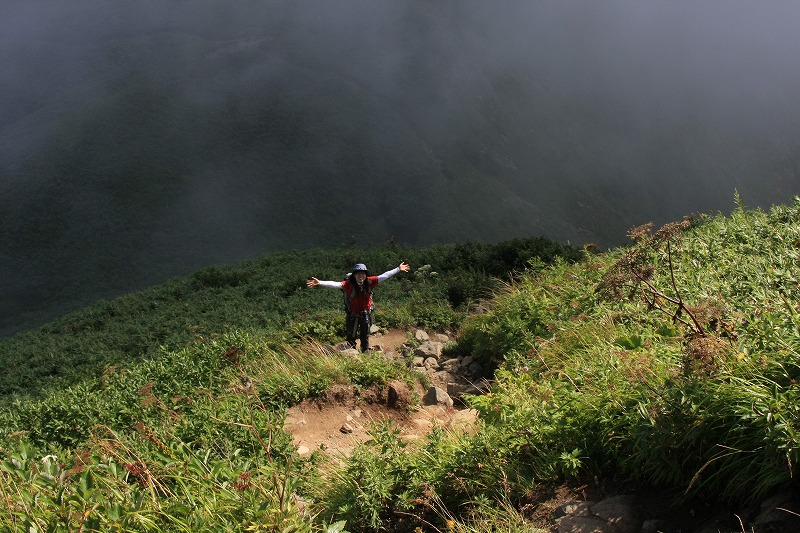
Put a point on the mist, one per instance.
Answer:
(142, 140)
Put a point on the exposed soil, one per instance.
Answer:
(337, 427)
(341, 419)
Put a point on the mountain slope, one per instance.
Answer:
(140, 142)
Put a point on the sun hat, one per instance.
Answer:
(360, 267)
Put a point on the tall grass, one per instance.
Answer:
(192, 440)
(711, 411)
(268, 295)
(684, 379)
(674, 361)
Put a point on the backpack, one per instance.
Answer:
(347, 297)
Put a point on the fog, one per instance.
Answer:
(142, 140)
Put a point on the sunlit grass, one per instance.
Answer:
(586, 382)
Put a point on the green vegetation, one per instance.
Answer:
(267, 295)
(674, 361)
(162, 410)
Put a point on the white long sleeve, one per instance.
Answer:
(338, 284)
(388, 274)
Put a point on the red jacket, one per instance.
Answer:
(359, 301)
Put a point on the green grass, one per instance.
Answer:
(268, 295)
(674, 362)
(164, 410)
(595, 382)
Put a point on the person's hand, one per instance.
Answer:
(313, 282)
(404, 267)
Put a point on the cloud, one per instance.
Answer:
(129, 128)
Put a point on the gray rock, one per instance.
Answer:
(431, 363)
(418, 361)
(579, 524)
(436, 396)
(779, 512)
(450, 364)
(582, 509)
(421, 335)
(476, 369)
(621, 512)
(444, 376)
(429, 349)
(466, 361)
(456, 389)
(440, 337)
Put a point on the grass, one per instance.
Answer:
(591, 382)
(266, 295)
(672, 362)
(172, 399)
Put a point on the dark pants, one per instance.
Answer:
(357, 326)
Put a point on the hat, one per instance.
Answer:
(360, 267)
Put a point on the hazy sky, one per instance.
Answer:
(589, 116)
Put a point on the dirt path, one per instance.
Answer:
(341, 419)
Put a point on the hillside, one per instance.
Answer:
(668, 367)
(266, 294)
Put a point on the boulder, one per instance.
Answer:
(621, 512)
(780, 512)
(457, 389)
(464, 421)
(654, 525)
(476, 369)
(618, 514)
(440, 337)
(436, 396)
(582, 509)
(444, 377)
(450, 364)
(429, 349)
(431, 363)
(579, 524)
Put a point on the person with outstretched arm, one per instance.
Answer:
(357, 288)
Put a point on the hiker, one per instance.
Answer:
(357, 288)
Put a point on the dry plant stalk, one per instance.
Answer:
(633, 274)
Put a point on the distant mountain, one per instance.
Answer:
(140, 141)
